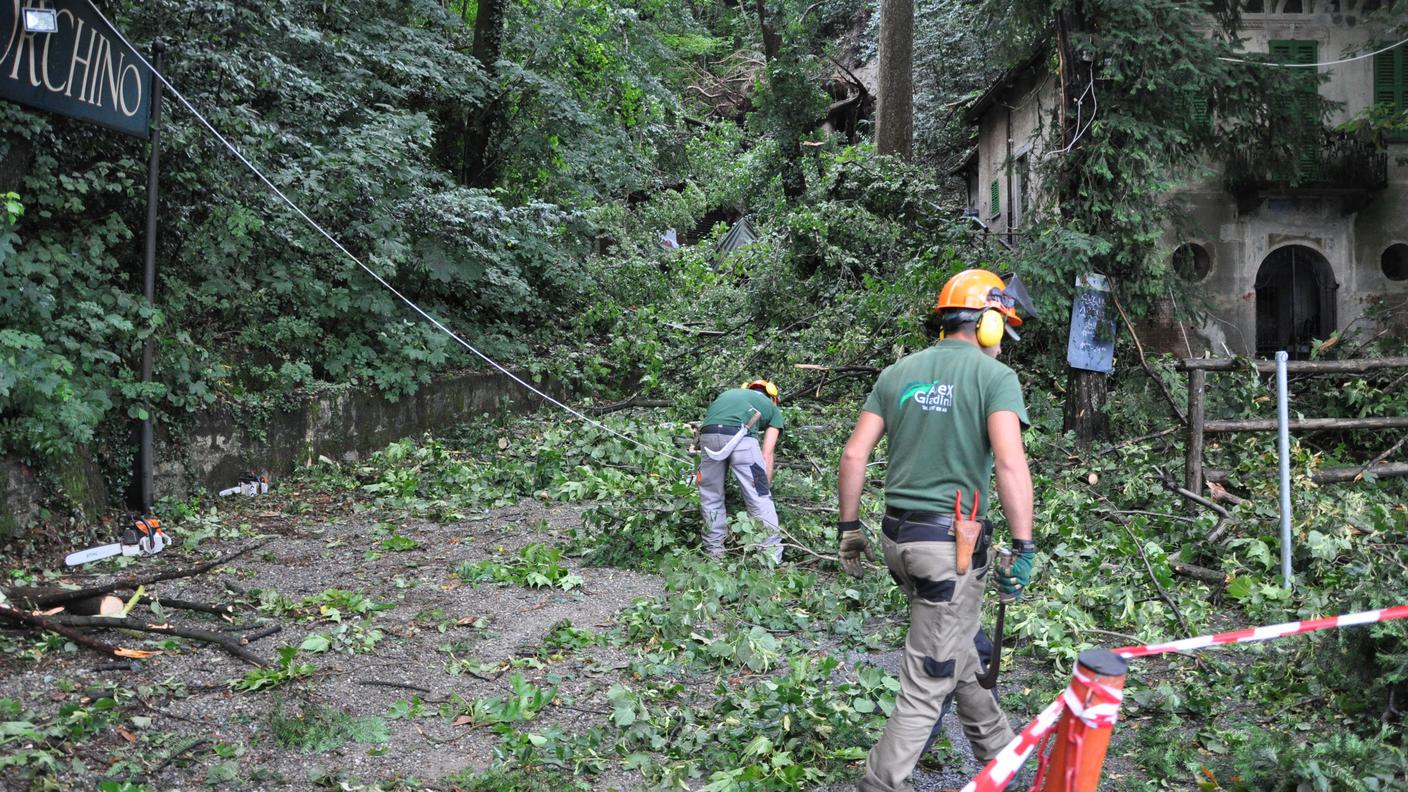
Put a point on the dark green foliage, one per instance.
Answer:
(358, 113)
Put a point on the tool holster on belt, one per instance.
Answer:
(966, 533)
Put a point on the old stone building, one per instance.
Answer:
(1279, 265)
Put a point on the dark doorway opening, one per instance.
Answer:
(1295, 301)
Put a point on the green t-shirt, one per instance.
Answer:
(936, 403)
(734, 408)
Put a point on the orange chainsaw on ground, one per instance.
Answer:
(143, 537)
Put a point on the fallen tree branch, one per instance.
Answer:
(174, 755)
(1220, 493)
(133, 581)
(634, 401)
(1144, 363)
(1172, 486)
(201, 607)
(263, 632)
(1163, 594)
(1197, 572)
(229, 644)
(52, 626)
(390, 684)
(1381, 457)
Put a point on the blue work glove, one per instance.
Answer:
(1014, 581)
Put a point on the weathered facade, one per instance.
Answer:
(1278, 265)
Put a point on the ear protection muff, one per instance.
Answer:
(766, 386)
(991, 326)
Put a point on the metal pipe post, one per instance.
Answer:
(1283, 418)
(145, 459)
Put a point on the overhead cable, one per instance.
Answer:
(1316, 65)
(375, 276)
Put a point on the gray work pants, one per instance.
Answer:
(940, 658)
(748, 467)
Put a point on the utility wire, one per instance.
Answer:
(317, 227)
(1316, 65)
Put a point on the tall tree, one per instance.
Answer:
(478, 170)
(894, 117)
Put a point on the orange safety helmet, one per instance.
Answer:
(977, 290)
(766, 386)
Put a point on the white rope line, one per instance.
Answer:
(314, 224)
(1316, 65)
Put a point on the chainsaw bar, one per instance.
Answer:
(144, 538)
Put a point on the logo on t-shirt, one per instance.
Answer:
(930, 396)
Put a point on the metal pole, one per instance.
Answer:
(1283, 419)
(149, 276)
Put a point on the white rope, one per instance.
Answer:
(314, 224)
(1316, 65)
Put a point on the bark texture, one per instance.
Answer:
(479, 170)
(894, 118)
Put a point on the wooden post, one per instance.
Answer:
(1197, 387)
(1080, 740)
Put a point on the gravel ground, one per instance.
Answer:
(435, 620)
(490, 623)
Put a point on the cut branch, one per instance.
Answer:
(1204, 574)
(133, 581)
(52, 626)
(634, 401)
(226, 642)
(1144, 363)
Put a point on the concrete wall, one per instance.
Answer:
(1018, 125)
(213, 449)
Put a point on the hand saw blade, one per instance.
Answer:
(93, 554)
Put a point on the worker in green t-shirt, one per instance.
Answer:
(949, 410)
(728, 441)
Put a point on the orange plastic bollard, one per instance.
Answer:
(1083, 734)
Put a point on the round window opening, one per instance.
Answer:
(1395, 262)
(1192, 262)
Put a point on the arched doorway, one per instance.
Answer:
(1295, 301)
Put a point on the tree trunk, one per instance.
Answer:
(1085, 405)
(772, 40)
(894, 117)
(1085, 390)
(478, 170)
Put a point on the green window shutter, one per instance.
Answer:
(1389, 68)
(1305, 108)
(996, 199)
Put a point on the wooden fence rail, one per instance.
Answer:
(1199, 427)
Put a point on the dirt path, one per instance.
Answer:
(435, 622)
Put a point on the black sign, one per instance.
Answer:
(1091, 345)
(82, 69)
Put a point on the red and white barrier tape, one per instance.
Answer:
(1267, 633)
(1003, 767)
(1009, 760)
(1100, 713)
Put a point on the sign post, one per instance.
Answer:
(63, 57)
(145, 461)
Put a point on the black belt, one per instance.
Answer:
(921, 526)
(719, 429)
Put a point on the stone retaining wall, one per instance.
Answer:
(213, 450)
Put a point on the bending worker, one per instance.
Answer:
(950, 410)
(727, 440)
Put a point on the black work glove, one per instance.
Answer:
(851, 545)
